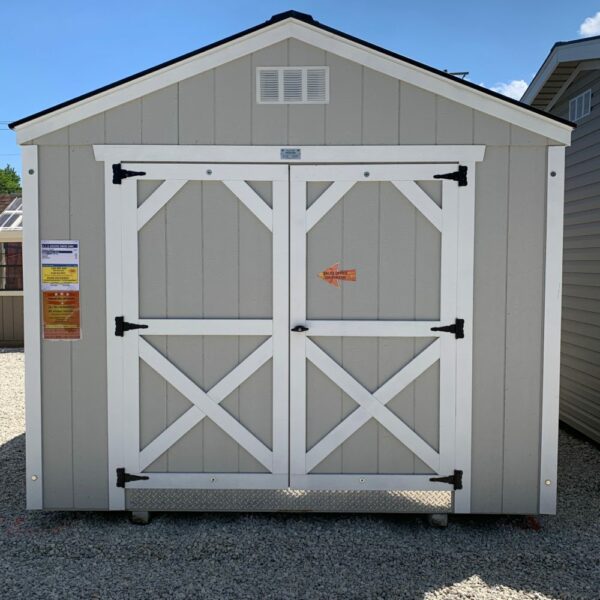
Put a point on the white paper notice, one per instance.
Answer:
(60, 265)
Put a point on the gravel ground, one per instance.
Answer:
(101, 555)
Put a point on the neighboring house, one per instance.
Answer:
(568, 85)
(11, 270)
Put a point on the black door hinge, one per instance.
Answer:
(119, 173)
(455, 480)
(121, 326)
(123, 478)
(457, 328)
(460, 176)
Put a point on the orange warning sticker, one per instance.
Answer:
(61, 315)
(333, 275)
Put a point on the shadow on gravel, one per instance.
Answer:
(181, 555)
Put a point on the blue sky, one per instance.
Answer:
(53, 51)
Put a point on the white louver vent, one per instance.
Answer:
(268, 84)
(317, 85)
(292, 85)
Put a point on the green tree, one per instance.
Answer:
(10, 182)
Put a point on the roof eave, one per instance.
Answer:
(561, 52)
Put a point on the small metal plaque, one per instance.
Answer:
(291, 154)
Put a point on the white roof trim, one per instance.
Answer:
(292, 28)
(578, 51)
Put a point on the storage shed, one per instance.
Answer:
(11, 272)
(567, 85)
(293, 271)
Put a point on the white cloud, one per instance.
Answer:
(513, 89)
(590, 26)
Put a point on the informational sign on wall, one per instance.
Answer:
(60, 290)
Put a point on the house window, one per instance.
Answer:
(292, 85)
(580, 106)
(11, 267)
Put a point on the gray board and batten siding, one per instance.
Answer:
(368, 108)
(11, 321)
(580, 348)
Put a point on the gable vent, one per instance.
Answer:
(292, 85)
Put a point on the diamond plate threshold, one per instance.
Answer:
(360, 501)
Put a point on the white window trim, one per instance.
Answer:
(573, 114)
(281, 71)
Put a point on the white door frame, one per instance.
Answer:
(124, 220)
(467, 155)
(445, 348)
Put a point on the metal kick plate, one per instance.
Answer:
(360, 501)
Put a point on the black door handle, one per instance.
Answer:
(300, 329)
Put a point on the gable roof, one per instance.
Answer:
(563, 63)
(292, 24)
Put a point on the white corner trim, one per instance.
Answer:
(552, 328)
(272, 154)
(31, 278)
(291, 28)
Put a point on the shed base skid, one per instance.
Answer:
(439, 520)
(140, 517)
(348, 501)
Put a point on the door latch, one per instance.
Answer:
(299, 329)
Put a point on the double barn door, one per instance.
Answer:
(279, 326)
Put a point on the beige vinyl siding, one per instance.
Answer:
(580, 363)
(365, 108)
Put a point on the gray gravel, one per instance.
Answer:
(101, 555)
